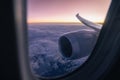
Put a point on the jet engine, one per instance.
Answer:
(77, 44)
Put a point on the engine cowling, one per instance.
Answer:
(77, 44)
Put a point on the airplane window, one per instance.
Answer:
(62, 34)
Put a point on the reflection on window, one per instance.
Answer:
(62, 33)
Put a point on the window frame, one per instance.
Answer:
(84, 71)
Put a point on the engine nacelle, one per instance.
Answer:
(78, 44)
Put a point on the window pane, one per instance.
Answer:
(62, 33)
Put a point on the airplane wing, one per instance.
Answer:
(90, 24)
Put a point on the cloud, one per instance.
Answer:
(45, 58)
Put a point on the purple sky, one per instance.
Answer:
(65, 10)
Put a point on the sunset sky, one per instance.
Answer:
(65, 10)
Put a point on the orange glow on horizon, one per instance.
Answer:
(72, 20)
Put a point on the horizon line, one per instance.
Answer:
(60, 22)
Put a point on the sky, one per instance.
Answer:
(65, 10)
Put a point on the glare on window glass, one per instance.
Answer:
(62, 34)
